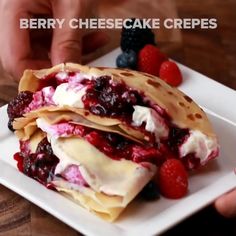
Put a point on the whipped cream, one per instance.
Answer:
(68, 95)
(154, 123)
(199, 144)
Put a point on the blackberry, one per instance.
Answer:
(136, 38)
(40, 166)
(113, 138)
(28, 162)
(45, 166)
(44, 147)
(176, 138)
(17, 106)
(101, 82)
(150, 191)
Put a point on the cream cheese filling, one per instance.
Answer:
(154, 123)
(199, 144)
(67, 95)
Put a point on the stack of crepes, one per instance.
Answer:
(109, 130)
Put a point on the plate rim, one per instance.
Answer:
(116, 229)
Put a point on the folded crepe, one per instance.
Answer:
(99, 134)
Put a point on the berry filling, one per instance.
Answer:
(113, 145)
(105, 97)
(117, 147)
(39, 165)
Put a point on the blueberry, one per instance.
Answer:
(127, 59)
(150, 191)
(10, 125)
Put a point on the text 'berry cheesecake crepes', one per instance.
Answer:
(100, 134)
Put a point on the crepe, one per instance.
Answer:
(106, 183)
(112, 184)
(184, 112)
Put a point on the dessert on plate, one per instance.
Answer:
(100, 135)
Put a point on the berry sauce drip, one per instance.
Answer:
(39, 165)
(111, 99)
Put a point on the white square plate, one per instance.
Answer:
(141, 218)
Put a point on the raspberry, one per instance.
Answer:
(146, 154)
(170, 73)
(94, 138)
(173, 179)
(150, 59)
(99, 142)
(18, 157)
(136, 38)
(17, 106)
(40, 166)
(127, 59)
